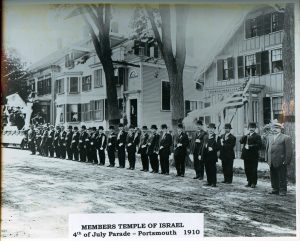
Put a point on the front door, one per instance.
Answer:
(133, 112)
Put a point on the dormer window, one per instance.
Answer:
(69, 60)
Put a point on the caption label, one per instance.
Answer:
(137, 226)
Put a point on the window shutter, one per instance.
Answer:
(220, 69)
(92, 109)
(265, 69)
(121, 76)
(280, 21)
(267, 109)
(79, 112)
(260, 25)
(267, 23)
(248, 28)
(187, 107)
(67, 60)
(230, 62)
(240, 60)
(258, 63)
(155, 50)
(136, 47)
(105, 110)
(56, 86)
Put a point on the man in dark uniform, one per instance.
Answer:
(75, 143)
(251, 144)
(62, 143)
(88, 145)
(56, 142)
(83, 141)
(101, 145)
(93, 145)
(182, 142)
(121, 141)
(165, 149)
(152, 150)
(111, 146)
(197, 150)
(69, 143)
(44, 143)
(39, 135)
(50, 141)
(32, 139)
(226, 143)
(131, 143)
(143, 149)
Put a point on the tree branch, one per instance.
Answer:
(99, 10)
(107, 18)
(93, 16)
(180, 36)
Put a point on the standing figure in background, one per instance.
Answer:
(32, 139)
(56, 142)
(152, 150)
(62, 143)
(143, 149)
(180, 152)
(50, 140)
(101, 145)
(75, 144)
(68, 139)
(165, 150)
(121, 141)
(251, 144)
(93, 146)
(227, 143)
(111, 146)
(131, 147)
(83, 142)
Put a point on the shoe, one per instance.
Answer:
(101, 164)
(177, 175)
(224, 182)
(207, 184)
(274, 192)
(214, 185)
(253, 186)
(155, 172)
(128, 168)
(152, 171)
(119, 167)
(196, 177)
(228, 182)
(166, 173)
(282, 194)
(108, 165)
(162, 173)
(182, 175)
(200, 178)
(142, 170)
(146, 170)
(132, 168)
(248, 185)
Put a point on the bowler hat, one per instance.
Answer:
(70, 127)
(212, 125)
(227, 126)
(164, 126)
(111, 128)
(199, 122)
(278, 125)
(121, 125)
(75, 128)
(83, 127)
(101, 128)
(252, 125)
(145, 128)
(131, 127)
(94, 128)
(153, 127)
(180, 126)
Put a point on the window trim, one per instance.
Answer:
(90, 83)
(69, 86)
(101, 82)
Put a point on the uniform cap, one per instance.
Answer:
(212, 125)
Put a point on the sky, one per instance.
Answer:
(33, 30)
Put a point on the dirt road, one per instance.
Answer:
(38, 193)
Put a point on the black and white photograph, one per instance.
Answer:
(150, 107)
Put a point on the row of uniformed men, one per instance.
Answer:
(87, 145)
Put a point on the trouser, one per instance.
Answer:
(121, 156)
(51, 150)
(145, 161)
(131, 159)
(211, 171)
(179, 157)
(227, 166)
(278, 178)
(75, 153)
(111, 157)
(83, 154)
(198, 166)
(251, 170)
(32, 147)
(101, 154)
(154, 162)
(93, 155)
(69, 152)
(164, 162)
(45, 150)
(57, 151)
(62, 151)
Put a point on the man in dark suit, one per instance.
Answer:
(62, 143)
(180, 151)
(143, 149)
(121, 142)
(50, 141)
(111, 146)
(83, 142)
(210, 156)
(32, 139)
(69, 142)
(131, 143)
(93, 145)
(101, 145)
(251, 144)
(227, 143)
(165, 145)
(44, 143)
(278, 155)
(152, 150)
(56, 142)
(197, 150)
(75, 143)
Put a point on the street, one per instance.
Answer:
(38, 193)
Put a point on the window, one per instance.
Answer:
(200, 85)
(69, 60)
(277, 65)
(86, 112)
(98, 78)
(250, 65)
(165, 95)
(277, 21)
(255, 111)
(251, 28)
(277, 108)
(59, 87)
(99, 110)
(148, 48)
(40, 87)
(60, 114)
(74, 85)
(119, 76)
(86, 83)
(225, 69)
(32, 86)
(206, 104)
(44, 86)
(73, 112)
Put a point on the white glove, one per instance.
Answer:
(210, 149)
(199, 157)
(121, 144)
(129, 144)
(179, 144)
(109, 144)
(197, 140)
(143, 146)
(247, 146)
(161, 147)
(102, 147)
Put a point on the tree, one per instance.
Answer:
(97, 18)
(160, 21)
(14, 76)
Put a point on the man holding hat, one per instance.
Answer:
(227, 143)
(210, 156)
(111, 146)
(75, 143)
(152, 149)
(143, 149)
(101, 145)
(182, 142)
(165, 149)
(69, 142)
(197, 150)
(278, 155)
(251, 144)
(121, 142)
